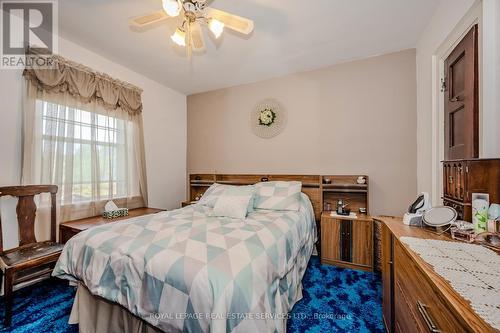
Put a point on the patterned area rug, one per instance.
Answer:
(41, 308)
(338, 300)
(335, 300)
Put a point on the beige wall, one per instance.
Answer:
(353, 118)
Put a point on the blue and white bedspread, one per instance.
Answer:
(183, 270)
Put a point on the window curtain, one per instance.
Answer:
(83, 131)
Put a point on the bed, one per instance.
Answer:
(184, 270)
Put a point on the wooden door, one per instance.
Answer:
(362, 242)
(330, 238)
(461, 100)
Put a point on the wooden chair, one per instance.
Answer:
(31, 259)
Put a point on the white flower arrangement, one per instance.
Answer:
(267, 117)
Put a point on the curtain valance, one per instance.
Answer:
(84, 84)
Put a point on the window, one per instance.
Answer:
(88, 154)
(82, 131)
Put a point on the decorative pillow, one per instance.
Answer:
(211, 195)
(215, 191)
(234, 202)
(278, 195)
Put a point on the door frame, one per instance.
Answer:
(473, 16)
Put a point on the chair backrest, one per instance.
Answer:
(26, 211)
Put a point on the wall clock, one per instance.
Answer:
(268, 119)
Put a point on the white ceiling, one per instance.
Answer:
(290, 36)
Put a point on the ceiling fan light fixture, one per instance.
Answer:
(179, 37)
(172, 7)
(195, 15)
(216, 27)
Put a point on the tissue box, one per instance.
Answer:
(115, 213)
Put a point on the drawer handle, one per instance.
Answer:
(427, 318)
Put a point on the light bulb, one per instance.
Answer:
(171, 7)
(179, 37)
(216, 26)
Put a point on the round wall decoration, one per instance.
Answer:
(268, 119)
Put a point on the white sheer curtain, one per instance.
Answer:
(93, 154)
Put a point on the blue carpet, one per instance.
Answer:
(335, 300)
(338, 300)
(42, 307)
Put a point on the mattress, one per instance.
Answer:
(184, 270)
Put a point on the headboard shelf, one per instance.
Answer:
(320, 189)
(323, 191)
(311, 184)
(344, 190)
(201, 185)
(347, 188)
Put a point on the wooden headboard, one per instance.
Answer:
(311, 185)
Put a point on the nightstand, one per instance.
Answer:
(346, 241)
(71, 228)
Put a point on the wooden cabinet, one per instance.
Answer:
(461, 178)
(347, 242)
(415, 297)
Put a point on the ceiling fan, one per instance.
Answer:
(195, 13)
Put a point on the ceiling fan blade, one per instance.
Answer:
(233, 22)
(197, 40)
(148, 19)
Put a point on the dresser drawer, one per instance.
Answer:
(405, 320)
(428, 312)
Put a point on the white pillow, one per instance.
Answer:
(278, 195)
(214, 192)
(234, 202)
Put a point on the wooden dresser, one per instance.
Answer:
(71, 228)
(461, 178)
(415, 298)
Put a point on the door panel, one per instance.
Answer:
(362, 252)
(330, 236)
(457, 124)
(461, 120)
(457, 74)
